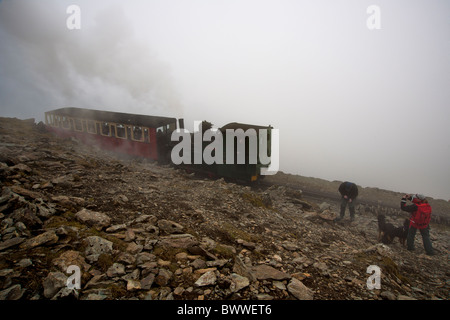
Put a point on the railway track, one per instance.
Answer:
(320, 195)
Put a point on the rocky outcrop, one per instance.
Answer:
(137, 230)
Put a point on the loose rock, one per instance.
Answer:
(299, 290)
(94, 219)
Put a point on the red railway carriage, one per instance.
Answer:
(132, 134)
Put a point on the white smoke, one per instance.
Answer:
(102, 66)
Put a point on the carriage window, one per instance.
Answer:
(137, 134)
(120, 131)
(91, 127)
(105, 129)
(51, 120)
(129, 133)
(171, 127)
(146, 135)
(57, 120)
(78, 125)
(98, 126)
(65, 122)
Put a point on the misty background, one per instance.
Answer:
(368, 106)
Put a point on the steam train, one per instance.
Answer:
(151, 137)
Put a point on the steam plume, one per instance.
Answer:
(103, 65)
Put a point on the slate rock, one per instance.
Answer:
(207, 279)
(265, 272)
(299, 290)
(133, 285)
(14, 292)
(96, 246)
(388, 295)
(28, 217)
(68, 258)
(169, 226)
(47, 238)
(116, 270)
(66, 293)
(117, 227)
(163, 277)
(11, 243)
(95, 219)
(183, 241)
(147, 282)
(53, 283)
(238, 282)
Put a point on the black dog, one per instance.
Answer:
(387, 232)
(402, 232)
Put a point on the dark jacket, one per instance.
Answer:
(410, 208)
(348, 189)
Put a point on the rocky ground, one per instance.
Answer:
(372, 198)
(138, 230)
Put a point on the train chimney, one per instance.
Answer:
(180, 123)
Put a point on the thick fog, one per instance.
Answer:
(359, 90)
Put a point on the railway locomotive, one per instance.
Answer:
(151, 137)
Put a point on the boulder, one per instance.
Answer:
(116, 270)
(69, 258)
(207, 279)
(53, 283)
(11, 243)
(163, 277)
(14, 292)
(238, 282)
(265, 272)
(146, 283)
(299, 290)
(169, 226)
(96, 246)
(98, 220)
(27, 216)
(183, 241)
(47, 238)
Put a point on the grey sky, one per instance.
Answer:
(369, 106)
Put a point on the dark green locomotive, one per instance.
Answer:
(243, 149)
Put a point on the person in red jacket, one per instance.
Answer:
(420, 218)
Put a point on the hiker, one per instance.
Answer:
(420, 218)
(349, 192)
